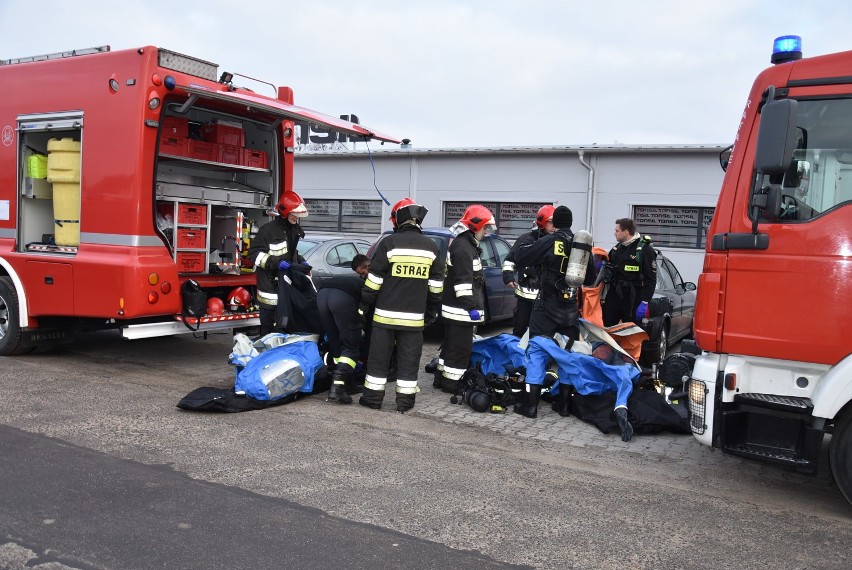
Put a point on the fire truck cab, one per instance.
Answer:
(123, 174)
(774, 308)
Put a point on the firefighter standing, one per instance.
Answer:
(274, 250)
(555, 310)
(338, 299)
(403, 289)
(632, 276)
(526, 284)
(463, 304)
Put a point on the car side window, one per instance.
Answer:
(487, 255)
(676, 278)
(502, 248)
(363, 247)
(664, 278)
(342, 255)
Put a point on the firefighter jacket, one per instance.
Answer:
(634, 264)
(550, 253)
(465, 281)
(405, 281)
(275, 242)
(527, 278)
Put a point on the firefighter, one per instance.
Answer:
(556, 309)
(463, 304)
(274, 250)
(631, 275)
(403, 290)
(338, 299)
(527, 281)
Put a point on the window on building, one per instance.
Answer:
(513, 218)
(674, 226)
(353, 216)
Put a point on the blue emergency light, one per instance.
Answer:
(786, 48)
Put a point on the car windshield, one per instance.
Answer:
(306, 246)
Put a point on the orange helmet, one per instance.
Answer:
(477, 217)
(291, 203)
(407, 209)
(215, 306)
(545, 214)
(239, 299)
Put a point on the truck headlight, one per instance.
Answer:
(697, 405)
(697, 391)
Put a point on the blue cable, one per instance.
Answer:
(372, 164)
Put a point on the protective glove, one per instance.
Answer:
(624, 424)
(642, 310)
(475, 315)
(430, 318)
(308, 265)
(283, 266)
(362, 315)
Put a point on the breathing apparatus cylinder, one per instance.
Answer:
(578, 262)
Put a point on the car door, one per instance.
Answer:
(338, 259)
(683, 301)
(501, 250)
(493, 279)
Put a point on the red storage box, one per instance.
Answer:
(175, 127)
(173, 145)
(255, 158)
(230, 154)
(192, 214)
(203, 150)
(191, 238)
(191, 261)
(223, 132)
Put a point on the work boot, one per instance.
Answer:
(449, 386)
(438, 378)
(404, 402)
(562, 401)
(338, 390)
(372, 398)
(529, 407)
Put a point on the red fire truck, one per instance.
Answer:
(774, 309)
(123, 174)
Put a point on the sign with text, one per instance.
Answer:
(362, 207)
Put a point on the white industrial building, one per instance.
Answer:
(669, 190)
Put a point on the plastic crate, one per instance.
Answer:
(191, 238)
(255, 158)
(203, 150)
(223, 133)
(192, 214)
(174, 145)
(230, 154)
(175, 127)
(191, 261)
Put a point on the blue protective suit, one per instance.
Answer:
(587, 374)
(494, 355)
(277, 372)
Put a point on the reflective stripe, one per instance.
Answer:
(458, 314)
(631, 268)
(345, 360)
(261, 260)
(398, 318)
(508, 266)
(437, 289)
(267, 298)
(526, 293)
(406, 387)
(373, 281)
(464, 289)
(373, 383)
(118, 239)
(406, 255)
(278, 248)
(453, 373)
(477, 264)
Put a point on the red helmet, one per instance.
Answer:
(239, 299)
(291, 203)
(215, 306)
(407, 209)
(545, 214)
(477, 217)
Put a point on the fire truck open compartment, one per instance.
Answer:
(216, 175)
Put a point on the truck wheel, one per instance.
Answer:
(840, 455)
(10, 329)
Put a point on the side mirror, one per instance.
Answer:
(777, 137)
(725, 158)
(689, 286)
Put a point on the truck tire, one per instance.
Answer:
(11, 341)
(840, 454)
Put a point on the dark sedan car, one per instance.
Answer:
(330, 255)
(499, 299)
(671, 311)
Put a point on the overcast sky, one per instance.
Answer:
(469, 73)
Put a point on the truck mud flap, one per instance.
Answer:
(33, 338)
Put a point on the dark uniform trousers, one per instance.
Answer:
(409, 349)
(551, 314)
(521, 315)
(455, 353)
(338, 313)
(622, 300)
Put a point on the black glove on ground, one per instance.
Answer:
(624, 424)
